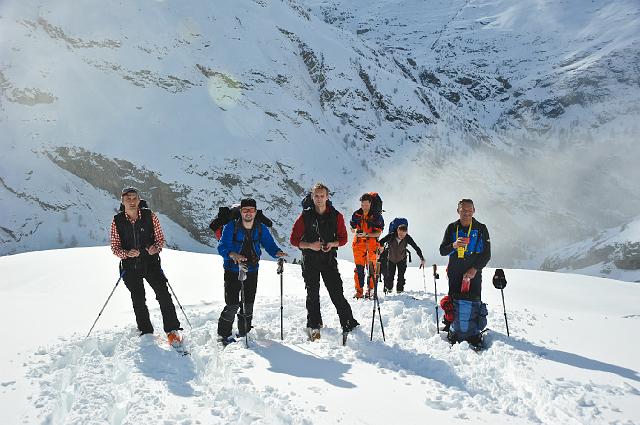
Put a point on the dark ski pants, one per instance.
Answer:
(333, 283)
(158, 282)
(455, 285)
(391, 273)
(233, 303)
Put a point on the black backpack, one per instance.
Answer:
(307, 202)
(227, 214)
(143, 204)
(376, 203)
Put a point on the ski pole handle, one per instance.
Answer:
(281, 262)
(242, 272)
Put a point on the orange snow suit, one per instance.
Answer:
(365, 249)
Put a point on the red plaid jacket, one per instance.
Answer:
(116, 246)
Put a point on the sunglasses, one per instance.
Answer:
(247, 210)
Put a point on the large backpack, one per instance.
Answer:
(470, 319)
(376, 203)
(397, 222)
(307, 202)
(143, 204)
(226, 214)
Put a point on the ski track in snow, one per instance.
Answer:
(116, 377)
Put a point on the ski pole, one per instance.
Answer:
(180, 305)
(375, 292)
(500, 282)
(376, 302)
(105, 303)
(242, 276)
(435, 292)
(280, 272)
(177, 300)
(373, 317)
(424, 281)
(504, 309)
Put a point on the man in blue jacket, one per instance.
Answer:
(240, 244)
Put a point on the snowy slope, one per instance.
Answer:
(571, 357)
(530, 108)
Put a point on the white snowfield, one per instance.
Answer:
(572, 358)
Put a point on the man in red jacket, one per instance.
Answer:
(318, 232)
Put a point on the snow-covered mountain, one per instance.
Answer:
(571, 357)
(613, 253)
(530, 108)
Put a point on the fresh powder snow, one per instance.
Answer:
(572, 357)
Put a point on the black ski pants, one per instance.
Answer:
(133, 280)
(391, 273)
(455, 286)
(333, 283)
(233, 303)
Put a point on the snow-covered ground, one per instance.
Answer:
(572, 356)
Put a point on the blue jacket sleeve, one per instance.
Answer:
(266, 240)
(225, 246)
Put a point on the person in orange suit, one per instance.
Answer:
(367, 225)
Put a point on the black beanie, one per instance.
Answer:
(248, 202)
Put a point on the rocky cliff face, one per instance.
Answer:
(531, 109)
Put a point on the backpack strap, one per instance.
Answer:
(236, 226)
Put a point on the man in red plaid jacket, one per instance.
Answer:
(137, 239)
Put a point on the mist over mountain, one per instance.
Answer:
(529, 108)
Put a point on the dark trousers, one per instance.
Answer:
(158, 282)
(233, 303)
(391, 273)
(455, 285)
(333, 283)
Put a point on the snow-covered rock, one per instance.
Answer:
(613, 253)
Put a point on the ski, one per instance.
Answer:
(177, 347)
(313, 335)
(180, 349)
(344, 338)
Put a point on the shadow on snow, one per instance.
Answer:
(570, 359)
(168, 366)
(286, 360)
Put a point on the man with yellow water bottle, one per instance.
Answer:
(466, 242)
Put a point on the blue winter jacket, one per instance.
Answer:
(227, 244)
